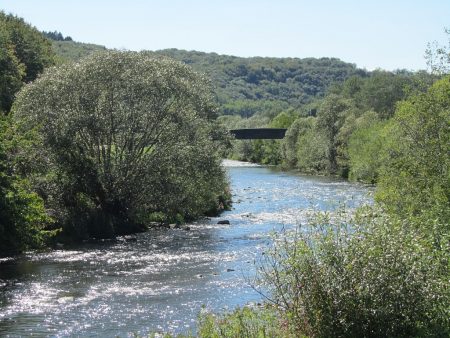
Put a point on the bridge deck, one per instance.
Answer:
(258, 133)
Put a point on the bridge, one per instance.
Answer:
(258, 134)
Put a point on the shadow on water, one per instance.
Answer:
(162, 280)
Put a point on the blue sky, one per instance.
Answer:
(373, 34)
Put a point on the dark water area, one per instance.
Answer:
(163, 279)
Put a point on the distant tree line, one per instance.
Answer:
(245, 86)
(324, 136)
(56, 36)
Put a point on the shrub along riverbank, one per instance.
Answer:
(24, 54)
(111, 143)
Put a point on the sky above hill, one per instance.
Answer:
(388, 34)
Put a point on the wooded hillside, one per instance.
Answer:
(245, 86)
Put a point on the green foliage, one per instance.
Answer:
(283, 120)
(56, 36)
(312, 155)
(258, 89)
(438, 56)
(382, 90)
(360, 276)
(289, 144)
(71, 51)
(384, 271)
(24, 53)
(365, 147)
(248, 85)
(23, 219)
(12, 73)
(415, 173)
(247, 107)
(357, 106)
(330, 119)
(305, 147)
(242, 322)
(121, 135)
(30, 46)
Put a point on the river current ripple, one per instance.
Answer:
(161, 281)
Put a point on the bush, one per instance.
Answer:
(364, 149)
(415, 174)
(23, 219)
(360, 276)
(242, 322)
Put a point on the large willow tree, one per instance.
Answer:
(121, 135)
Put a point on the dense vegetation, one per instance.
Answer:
(384, 271)
(56, 36)
(24, 54)
(247, 86)
(23, 220)
(118, 137)
(342, 132)
(319, 136)
(71, 51)
(100, 147)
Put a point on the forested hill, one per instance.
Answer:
(68, 50)
(286, 82)
(245, 86)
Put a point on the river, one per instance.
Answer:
(161, 281)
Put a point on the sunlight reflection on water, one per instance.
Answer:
(161, 281)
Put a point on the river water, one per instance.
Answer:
(161, 281)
